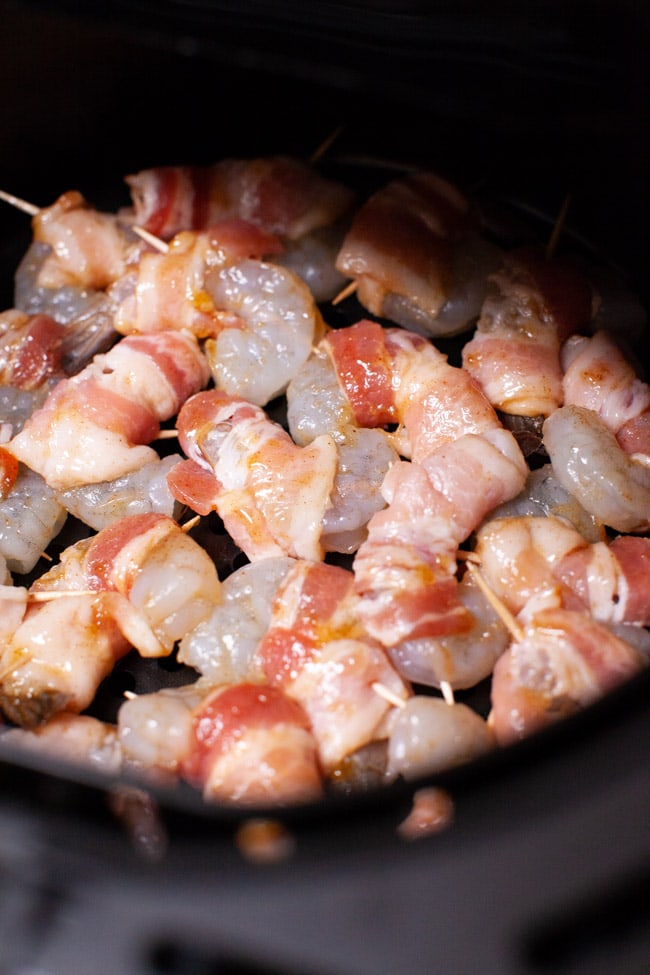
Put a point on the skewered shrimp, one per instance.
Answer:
(317, 651)
(30, 517)
(94, 426)
(222, 648)
(269, 322)
(459, 659)
(591, 465)
(598, 376)
(270, 493)
(530, 563)
(252, 745)
(564, 661)
(155, 730)
(282, 195)
(428, 735)
(531, 307)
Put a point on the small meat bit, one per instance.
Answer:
(432, 812)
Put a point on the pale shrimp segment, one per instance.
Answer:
(462, 659)
(316, 401)
(313, 258)
(30, 517)
(428, 735)
(599, 377)
(530, 563)
(543, 495)
(41, 674)
(363, 461)
(406, 570)
(95, 426)
(565, 661)
(89, 248)
(282, 195)
(222, 648)
(169, 579)
(155, 730)
(392, 376)
(317, 651)
(252, 745)
(76, 738)
(269, 322)
(140, 492)
(270, 493)
(531, 306)
(589, 462)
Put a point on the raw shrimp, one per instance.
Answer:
(253, 745)
(462, 659)
(564, 661)
(155, 730)
(428, 735)
(281, 195)
(270, 493)
(406, 569)
(141, 491)
(222, 648)
(317, 651)
(169, 579)
(543, 495)
(532, 562)
(87, 248)
(598, 376)
(94, 426)
(269, 322)
(589, 462)
(531, 307)
(30, 517)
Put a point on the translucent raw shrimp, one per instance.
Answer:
(428, 735)
(313, 258)
(155, 730)
(30, 517)
(543, 495)
(564, 661)
(589, 462)
(317, 405)
(169, 579)
(317, 651)
(270, 493)
(460, 659)
(143, 490)
(222, 648)
(270, 322)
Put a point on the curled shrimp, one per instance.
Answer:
(589, 462)
(459, 659)
(222, 647)
(428, 735)
(269, 322)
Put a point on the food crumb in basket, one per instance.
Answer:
(264, 841)
(431, 812)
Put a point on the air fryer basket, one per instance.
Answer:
(546, 863)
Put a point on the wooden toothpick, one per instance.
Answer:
(24, 205)
(388, 695)
(497, 605)
(156, 242)
(348, 290)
